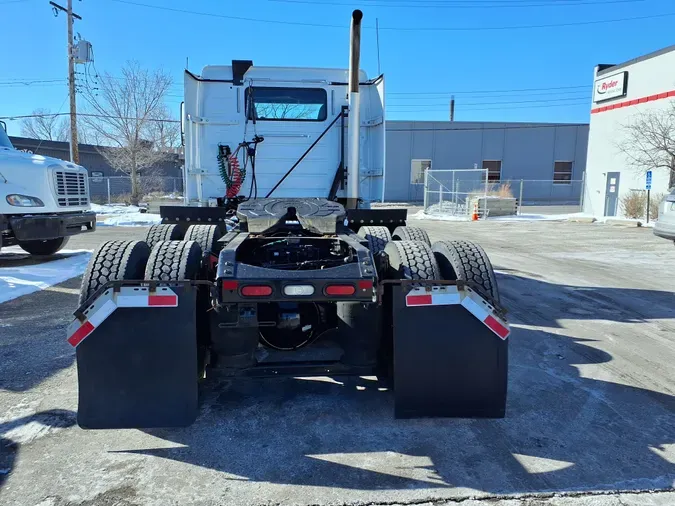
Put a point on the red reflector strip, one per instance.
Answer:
(340, 290)
(230, 285)
(163, 300)
(256, 291)
(365, 285)
(497, 327)
(418, 300)
(86, 329)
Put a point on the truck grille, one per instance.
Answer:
(71, 188)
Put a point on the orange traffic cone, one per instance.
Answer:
(474, 215)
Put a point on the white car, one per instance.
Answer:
(43, 200)
(665, 226)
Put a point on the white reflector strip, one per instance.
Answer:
(129, 296)
(470, 300)
(438, 296)
(101, 314)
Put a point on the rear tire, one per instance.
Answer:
(411, 234)
(44, 248)
(411, 260)
(162, 232)
(378, 237)
(468, 262)
(206, 236)
(174, 261)
(114, 261)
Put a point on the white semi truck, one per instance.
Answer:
(43, 200)
(277, 250)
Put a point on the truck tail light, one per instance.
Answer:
(229, 284)
(256, 291)
(340, 290)
(298, 290)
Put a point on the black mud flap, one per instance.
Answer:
(447, 361)
(138, 368)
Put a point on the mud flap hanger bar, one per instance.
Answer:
(450, 293)
(123, 294)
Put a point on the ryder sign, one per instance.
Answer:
(613, 86)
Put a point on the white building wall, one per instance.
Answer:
(647, 79)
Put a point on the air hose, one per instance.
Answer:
(230, 171)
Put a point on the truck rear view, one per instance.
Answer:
(277, 266)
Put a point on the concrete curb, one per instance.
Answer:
(583, 219)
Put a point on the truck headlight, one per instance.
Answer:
(23, 201)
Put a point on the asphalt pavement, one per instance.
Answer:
(590, 415)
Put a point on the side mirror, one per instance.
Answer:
(182, 124)
(4, 126)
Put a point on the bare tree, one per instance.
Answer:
(278, 110)
(649, 142)
(50, 127)
(123, 113)
(164, 131)
(43, 125)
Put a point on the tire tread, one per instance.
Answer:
(473, 265)
(407, 233)
(416, 260)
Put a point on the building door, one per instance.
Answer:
(612, 193)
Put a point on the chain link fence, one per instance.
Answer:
(453, 193)
(112, 189)
(449, 192)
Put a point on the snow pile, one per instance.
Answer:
(19, 280)
(448, 216)
(119, 215)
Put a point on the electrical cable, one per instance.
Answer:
(404, 28)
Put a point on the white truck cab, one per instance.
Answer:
(300, 114)
(43, 200)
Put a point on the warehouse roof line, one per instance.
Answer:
(606, 69)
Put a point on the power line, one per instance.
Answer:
(427, 4)
(485, 91)
(501, 108)
(402, 28)
(421, 100)
(567, 99)
(22, 116)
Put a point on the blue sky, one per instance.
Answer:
(428, 48)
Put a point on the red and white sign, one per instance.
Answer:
(610, 87)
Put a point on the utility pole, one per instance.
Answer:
(74, 150)
(452, 108)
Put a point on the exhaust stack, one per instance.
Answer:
(354, 107)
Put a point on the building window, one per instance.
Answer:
(286, 104)
(417, 168)
(562, 173)
(494, 168)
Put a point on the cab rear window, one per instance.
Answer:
(286, 104)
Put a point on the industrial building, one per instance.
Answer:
(549, 157)
(622, 95)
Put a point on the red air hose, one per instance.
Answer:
(235, 177)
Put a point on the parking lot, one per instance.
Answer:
(590, 415)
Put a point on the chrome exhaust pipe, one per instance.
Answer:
(354, 124)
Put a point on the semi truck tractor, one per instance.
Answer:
(43, 200)
(279, 265)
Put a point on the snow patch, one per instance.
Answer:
(421, 215)
(24, 279)
(112, 215)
